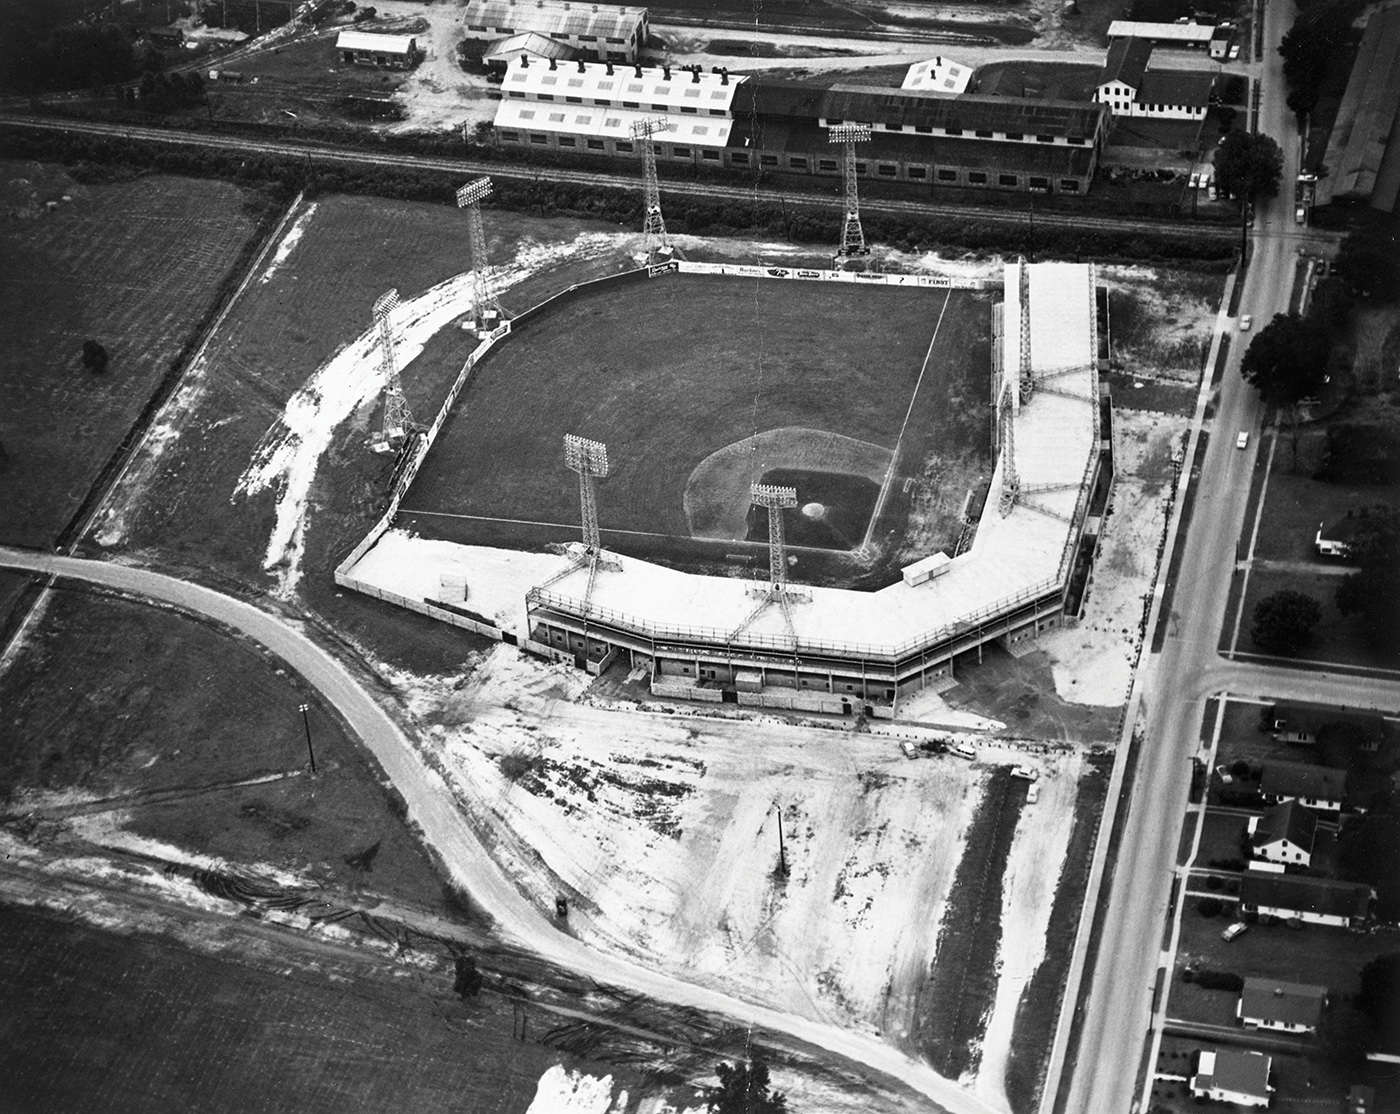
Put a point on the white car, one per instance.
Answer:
(1025, 772)
(1235, 931)
(1245, 322)
(1033, 793)
(1195, 182)
(907, 748)
(1242, 441)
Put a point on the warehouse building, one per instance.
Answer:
(1363, 152)
(602, 31)
(719, 120)
(361, 48)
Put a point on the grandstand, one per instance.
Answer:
(826, 649)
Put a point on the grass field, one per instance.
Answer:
(169, 720)
(717, 361)
(134, 266)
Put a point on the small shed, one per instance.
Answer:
(920, 572)
(529, 45)
(364, 48)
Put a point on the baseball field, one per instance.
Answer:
(870, 401)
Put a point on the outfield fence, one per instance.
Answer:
(812, 274)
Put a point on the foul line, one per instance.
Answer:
(763, 545)
(894, 455)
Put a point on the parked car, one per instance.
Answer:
(1235, 931)
(962, 750)
(1242, 441)
(1033, 793)
(908, 750)
(1025, 772)
(1245, 322)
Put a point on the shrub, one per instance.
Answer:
(1219, 980)
(1209, 906)
(1214, 882)
(1239, 768)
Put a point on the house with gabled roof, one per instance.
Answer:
(1311, 900)
(1320, 787)
(1228, 1076)
(1285, 1007)
(1284, 834)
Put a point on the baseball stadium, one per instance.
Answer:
(598, 486)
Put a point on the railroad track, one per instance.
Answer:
(711, 191)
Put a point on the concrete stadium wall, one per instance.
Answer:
(811, 274)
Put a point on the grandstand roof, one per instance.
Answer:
(527, 42)
(555, 16)
(938, 75)
(914, 109)
(1363, 152)
(646, 89)
(380, 44)
(1195, 33)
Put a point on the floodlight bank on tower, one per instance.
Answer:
(590, 460)
(654, 227)
(852, 235)
(486, 311)
(397, 420)
(775, 499)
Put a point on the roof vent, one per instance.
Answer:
(639, 69)
(553, 65)
(666, 73)
(524, 61)
(581, 68)
(724, 75)
(610, 73)
(695, 76)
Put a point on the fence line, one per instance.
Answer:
(812, 274)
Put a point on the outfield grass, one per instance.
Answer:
(134, 266)
(669, 371)
(118, 699)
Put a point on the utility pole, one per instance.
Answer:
(306, 722)
(782, 849)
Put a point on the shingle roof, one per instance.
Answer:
(365, 40)
(1244, 1073)
(1189, 88)
(914, 109)
(1285, 1003)
(528, 42)
(1299, 779)
(1163, 32)
(1290, 821)
(1126, 62)
(555, 16)
(1300, 894)
(1364, 148)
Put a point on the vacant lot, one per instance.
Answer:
(134, 266)
(672, 370)
(193, 738)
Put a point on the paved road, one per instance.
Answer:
(1176, 682)
(432, 805)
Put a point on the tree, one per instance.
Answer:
(1372, 593)
(1248, 166)
(1286, 360)
(1370, 261)
(1306, 48)
(94, 357)
(1379, 1000)
(1368, 850)
(1283, 621)
(469, 980)
(1331, 305)
(743, 1089)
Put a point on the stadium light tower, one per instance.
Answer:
(654, 228)
(774, 499)
(852, 235)
(590, 460)
(396, 423)
(486, 311)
